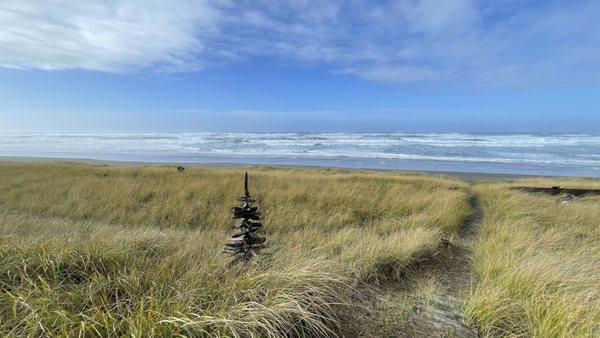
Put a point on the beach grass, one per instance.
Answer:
(537, 262)
(98, 250)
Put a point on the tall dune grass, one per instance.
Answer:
(110, 251)
(290, 198)
(537, 263)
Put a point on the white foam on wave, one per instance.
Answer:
(542, 149)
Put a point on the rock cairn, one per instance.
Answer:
(244, 244)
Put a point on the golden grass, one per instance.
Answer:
(290, 198)
(537, 262)
(108, 251)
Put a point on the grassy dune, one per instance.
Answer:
(537, 263)
(98, 250)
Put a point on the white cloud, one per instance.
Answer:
(463, 42)
(439, 17)
(395, 73)
(111, 36)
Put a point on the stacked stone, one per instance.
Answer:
(245, 243)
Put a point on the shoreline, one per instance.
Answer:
(465, 176)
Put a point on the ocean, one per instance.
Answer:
(535, 154)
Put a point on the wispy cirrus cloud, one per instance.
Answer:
(506, 43)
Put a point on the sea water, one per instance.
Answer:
(536, 154)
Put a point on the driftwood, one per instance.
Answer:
(556, 190)
(244, 244)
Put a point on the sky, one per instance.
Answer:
(299, 66)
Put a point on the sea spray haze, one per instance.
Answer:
(549, 154)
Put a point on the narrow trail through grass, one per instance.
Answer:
(428, 300)
(436, 312)
(462, 268)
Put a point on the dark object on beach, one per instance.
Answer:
(180, 169)
(244, 244)
(556, 190)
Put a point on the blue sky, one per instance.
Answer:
(429, 65)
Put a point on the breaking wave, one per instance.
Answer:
(580, 150)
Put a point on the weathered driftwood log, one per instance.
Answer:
(568, 198)
(247, 209)
(252, 238)
(247, 215)
(556, 190)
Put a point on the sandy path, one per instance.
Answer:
(438, 313)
